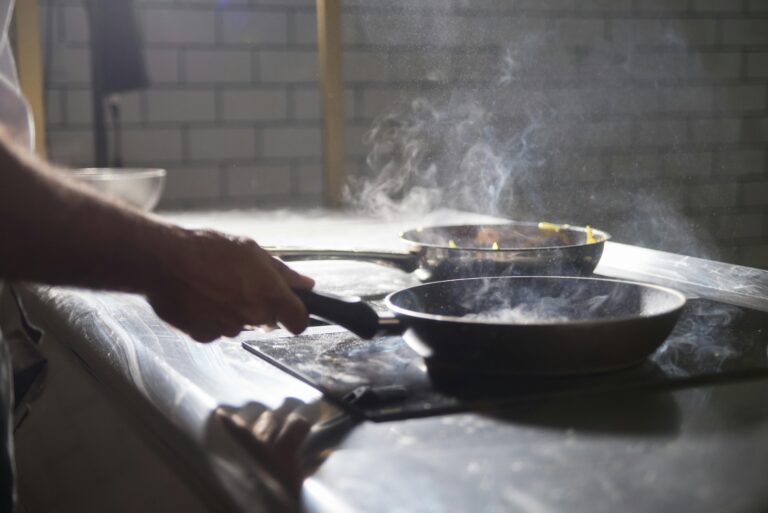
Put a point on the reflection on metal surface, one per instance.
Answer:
(714, 337)
(316, 496)
(702, 449)
(727, 283)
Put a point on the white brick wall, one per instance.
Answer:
(70, 145)
(241, 26)
(192, 185)
(744, 32)
(365, 66)
(233, 88)
(69, 65)
(75, 24)
(640, 101)
(179, 105)
(178, 26)
(54, 107)
(308, 179)
(217, 66)
(251, 104)
(305, 103)
(163, 65)
(221, 143)
(262, 181)
(288, 66)
(152, 146)
(648, 101)
(133, 107)
(78, 106)
(305, 28)
(292, 142)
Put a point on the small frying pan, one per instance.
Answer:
(472, 250)
(518, 325)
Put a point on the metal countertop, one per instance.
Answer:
(702, 449)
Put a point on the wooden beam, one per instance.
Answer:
(30, 65)
(332, 92)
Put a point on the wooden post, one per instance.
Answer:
(332, 92)
(30, 64)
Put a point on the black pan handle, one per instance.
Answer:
(350, 313)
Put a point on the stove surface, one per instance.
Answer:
(383, 379)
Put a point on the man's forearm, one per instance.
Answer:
(56, 231)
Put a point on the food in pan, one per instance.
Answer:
(590, 235)
(557, 228)
(487, 236)
(552, 226)
(510, 236)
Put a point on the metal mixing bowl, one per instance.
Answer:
(140, 187)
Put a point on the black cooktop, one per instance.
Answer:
(383, 379)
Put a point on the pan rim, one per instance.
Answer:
(404, 237)
(679, 304)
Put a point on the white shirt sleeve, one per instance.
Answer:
(15, 115)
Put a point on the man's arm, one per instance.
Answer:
(54, 230)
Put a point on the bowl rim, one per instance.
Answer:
(110, 173)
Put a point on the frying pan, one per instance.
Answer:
(543, 325)
(462, 251)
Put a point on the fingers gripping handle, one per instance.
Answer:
(350, 313)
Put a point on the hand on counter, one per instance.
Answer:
(219, 283)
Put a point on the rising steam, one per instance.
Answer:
(529, 129)
(441, 152)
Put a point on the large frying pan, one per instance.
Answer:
(519, 325)
(463, 251)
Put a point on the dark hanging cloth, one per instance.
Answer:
(117, 62)
(116, 42)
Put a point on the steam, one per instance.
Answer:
(542, 309)
(543, 301)
(445, 151)
(537, 127)
(702, 340)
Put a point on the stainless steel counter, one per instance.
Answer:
(700, 449)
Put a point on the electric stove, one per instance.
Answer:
(383, 379)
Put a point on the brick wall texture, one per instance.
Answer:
(646, 118)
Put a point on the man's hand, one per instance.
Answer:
(205, 283)
(218, 284)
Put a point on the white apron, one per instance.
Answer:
(17, 122)
(14, 113)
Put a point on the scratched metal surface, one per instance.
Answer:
(697, 450)
(735, 284)
(701, 449)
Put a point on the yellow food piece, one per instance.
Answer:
(495, 246)
(549, 226)
(590, 235)
(553, 227)
(451, 244)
